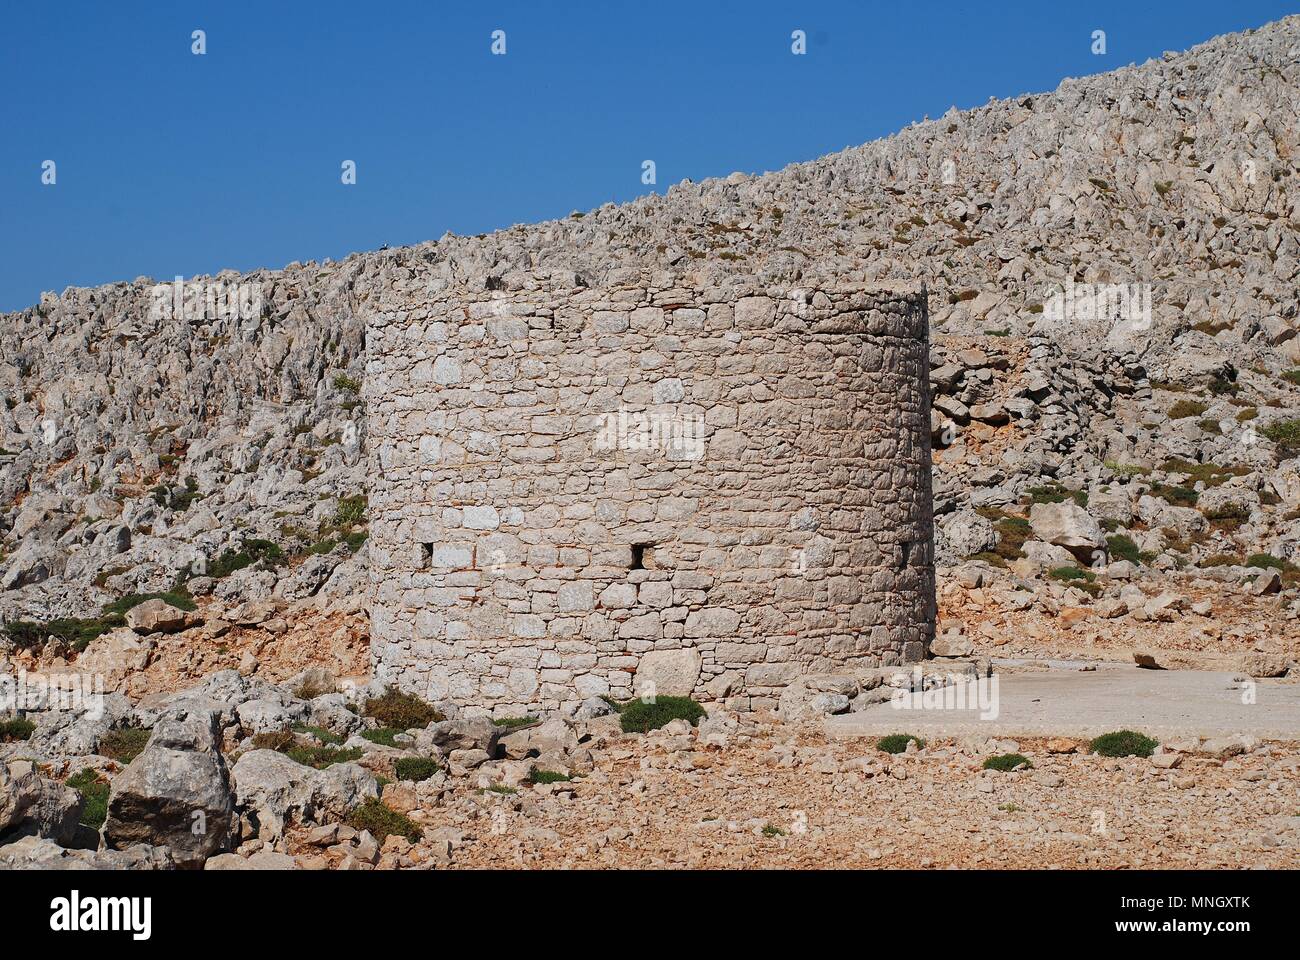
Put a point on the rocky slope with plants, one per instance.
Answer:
(218, 462)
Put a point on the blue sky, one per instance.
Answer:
(170, 163)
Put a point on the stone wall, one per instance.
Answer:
(579, 492)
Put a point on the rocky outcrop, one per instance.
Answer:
(177, 792)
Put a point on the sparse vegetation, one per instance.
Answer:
(1123, 548)
(383, 821)
(1286, 434)
(897, 742)
(512, 722)
(321, 757)
(1123, 743)
(347, 384)
(1006, 762)
(124, 745)
(94, 796)
(403, 711)
(384, 736)
(17, 728)
(639, 716)
(1183, 409)
(548, 776)
(416, 769)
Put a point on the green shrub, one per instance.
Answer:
(1006, 762)
(770, 831)
(1286, 434)
(1178, 496)
(1055, 493)
(344, 382)
(1292, 376)
(1187, 408)
(1123, 743)
(897, 742)
(383, 821)
(1071, 573)
(501, 788)
(249, 552)
(415, 768)
(1265, 561)
(638, 716)
(320, 733)
(548, 776)
(1211, 474)
(384, 736)
(124, 745)
(94, 796)
(1211, 426)
(322, 757)
(25, 634)
(350, 511)
(512, 722)
(19, 728)
(1123, 548)
(405, 711)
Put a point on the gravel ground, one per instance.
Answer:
(780, 796)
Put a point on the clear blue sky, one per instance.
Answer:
(170, 163)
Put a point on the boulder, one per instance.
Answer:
(36, 806)
(278, 791)
(159, 616)
(1066, 524)
(555, 736)
(478, 733)
(951, 645)
(36, 853)
(176, 793)
(671, 673)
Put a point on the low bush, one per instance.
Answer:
(1187, 408)
(415, 768)
(1006, 762)
(897, 742)
(383, 822)
(405, 711)
(327, 737)
(1123, 548)
(548, 776)
(384, 736)
(280, 741)
(1286, 434)
(638, 716)
(124, 745)
(19, 728)
(94, 797)
(322, 757)
(1124, 743)
(511, 722)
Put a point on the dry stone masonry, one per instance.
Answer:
(582, 492)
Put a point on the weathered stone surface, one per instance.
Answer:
(1066, 524)
(176, 793)
(159, 616)
(673, 673)
(703, 542)
(278, 791)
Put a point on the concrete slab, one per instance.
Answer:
(1074, 703)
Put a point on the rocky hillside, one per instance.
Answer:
(145, 455)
